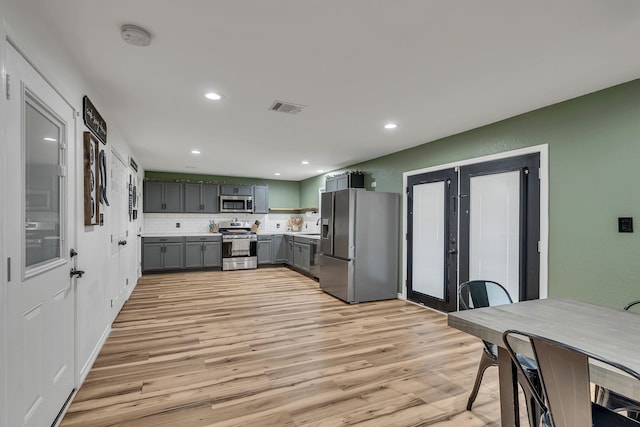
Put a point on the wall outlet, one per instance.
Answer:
(306, 226)
(278, 225)
(373, 184)
(177, 225)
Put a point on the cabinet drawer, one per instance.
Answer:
(264, 236)
(203, 238)
(162, 239)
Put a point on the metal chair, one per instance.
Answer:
(611, 399)
(566, 388)
(486, 293)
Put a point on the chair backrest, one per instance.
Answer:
(564, 375)
(482, 293)
(633, 306)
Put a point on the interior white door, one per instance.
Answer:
(494, 230)
(40, 223)
(119, 199)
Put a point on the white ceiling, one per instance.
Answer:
(436, 68)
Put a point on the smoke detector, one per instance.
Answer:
(286, 107)
(135, 35)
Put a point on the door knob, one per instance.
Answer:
(73, 253)
(75, 272)
(122, 242)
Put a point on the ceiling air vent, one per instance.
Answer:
(286, 107)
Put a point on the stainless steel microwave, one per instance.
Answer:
(236, 204)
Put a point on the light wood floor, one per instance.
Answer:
(267, 348)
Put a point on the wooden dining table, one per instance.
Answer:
(610, 333)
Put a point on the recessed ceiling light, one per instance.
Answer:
(277, 174)
(320, 170)
(195, 151)
(213, 96)
(305, 162)
(390, 126)
(50, 139)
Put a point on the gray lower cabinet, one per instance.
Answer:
(162, 253)
(204, 251)
(178, 253)
(264, 250)
(278, 249)
(289, 245)
(301, 255)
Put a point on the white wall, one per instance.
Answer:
(30, 31)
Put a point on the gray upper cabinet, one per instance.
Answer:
(261, 199)
(201, 198)
(236, 190)
(163, 196)
(341, 182)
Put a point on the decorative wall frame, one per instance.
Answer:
(91, 180)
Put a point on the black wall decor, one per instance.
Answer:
(93, 120)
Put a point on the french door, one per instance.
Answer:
(40, 224)
(432, 229)
(486, 227)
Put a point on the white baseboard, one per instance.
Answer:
(82, 375)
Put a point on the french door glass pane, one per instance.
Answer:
(428, 239)
(494, 229)
(42, 190)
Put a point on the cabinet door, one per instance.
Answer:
(342, 182)
(153, 200)
(279, 249)
(212, 254)
(301, 253)
(173, 197)
(305, 259)
(210, 199)
(193, 198)
(152, 256)
(244, 190)
(331, 184)
(261, 199)
(193, 255)
(264, 251)
(173, 256)
(290, 251)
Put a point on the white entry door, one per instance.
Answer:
(119, 199)
(40, 224)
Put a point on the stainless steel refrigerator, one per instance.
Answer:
(359, 245)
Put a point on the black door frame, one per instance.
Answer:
(450, 284)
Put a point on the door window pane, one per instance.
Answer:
(42, 136)
(494, 229)
(428, 239)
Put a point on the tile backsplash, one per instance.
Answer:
(158, 223)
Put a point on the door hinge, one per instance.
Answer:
(539, 173)
(7, 86)
(62, 171)
(8, 269)
(539, 245)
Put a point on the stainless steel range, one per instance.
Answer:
(239, 245)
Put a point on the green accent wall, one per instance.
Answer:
(282, 194)
(594, 178)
